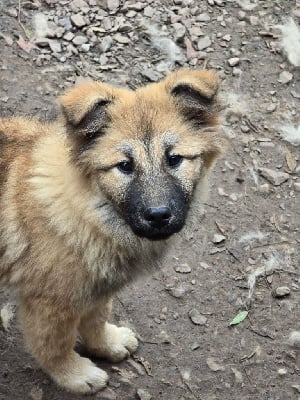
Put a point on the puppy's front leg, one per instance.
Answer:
(50, 334)
(103, 339)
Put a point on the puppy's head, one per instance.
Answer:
(146, 150)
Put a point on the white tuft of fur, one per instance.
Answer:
(291, 134)
(271, 265)
(290, 41)
(294, 339)
(7, 314)
(40, 24)
(165, 45)
(251, 236)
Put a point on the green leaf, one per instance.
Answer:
(239, 318)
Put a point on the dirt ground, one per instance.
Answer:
(251, 224)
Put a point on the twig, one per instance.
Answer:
(20, 22)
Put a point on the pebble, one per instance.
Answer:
(55, 46)
(217, 238)
(214, 365)
(203, 43)
(106, 43)
(203, 17)
(264, 188)
(78, 20)
(68, 36)
(233, 61)
(183, 269)
(281, 291)
(177, 292)
(149, 11)
(274, 177)
(121, 38)
(106, 394)
(297, 186)
(112, 5)
(79, 40)
(282, 371)
(143, 394)
(179, 30)
(285, 77)
(197, 318)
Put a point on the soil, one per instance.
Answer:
(177, 358)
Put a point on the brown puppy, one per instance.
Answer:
(88, 203)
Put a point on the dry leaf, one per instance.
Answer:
(290, 160)
(25, 45)
(144, 363)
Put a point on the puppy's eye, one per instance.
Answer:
(174, 160)
(127, 167)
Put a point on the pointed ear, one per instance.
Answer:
(196, 95)
(85, 109)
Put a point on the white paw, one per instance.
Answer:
(80, 375)
(118, 343)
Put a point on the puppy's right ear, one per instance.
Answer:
(85, 110)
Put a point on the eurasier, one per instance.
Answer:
(89, 202)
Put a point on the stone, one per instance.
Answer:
(149, 11)
(55, 46)
(68, 36)
(143, 394)
(112, 5)
(274, 177)
(105, 43)
(203, 43)
(79, 40)
(233, 61)
(285, 77)
(253, 20)
(177, 292)
(65, 23)
(78, 5)
(78, 20)
(183, 269)
(197, 318)
(203, 17)
(217, 238)
(85, 47)
(227, 38)
(139, 6)
(297, 186)
(179, 30)
(214, 365)
(121, 38)
(281, 291)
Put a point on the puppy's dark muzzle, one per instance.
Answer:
(158, 217)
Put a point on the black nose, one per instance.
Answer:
(158, 216)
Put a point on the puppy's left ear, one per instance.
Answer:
(196, 94)
(85, 109)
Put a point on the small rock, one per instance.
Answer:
(121, 38)
(197, 318)
(112, 5)
(274, 177)
(271, 108)
(55, 46)
(281, 291)
(217, 238)
(264, 188)
(177, 292)
(297, 186)
(65, 23)
(68, 36)
(78, 20)
(179, 30)
(282, 371)
(149, 11)
(36, 393)
(143, 394)
(227, 38)
(285, 77)
(139, 6)
(203, 43)
(233, 61)
(150, 74)
(85, 47)
(106, 43)
(79, 40)
(195, 346)
(203, 17)
(183, 269)
(253, 20)
(164, 337)
(213, 365)
(106, 394)
(237, 375)
(12, 12)
(237, 72)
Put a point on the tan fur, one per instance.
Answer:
(66, 255)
